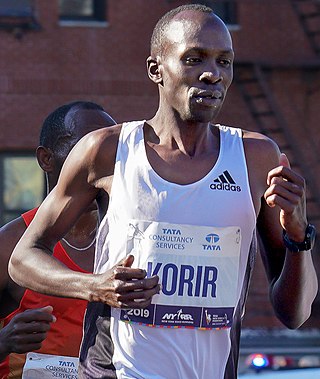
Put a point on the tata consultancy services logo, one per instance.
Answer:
(212, 238)
(212, 244)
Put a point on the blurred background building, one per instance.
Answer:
(53, 52)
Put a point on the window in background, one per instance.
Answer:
(18, 17)
(22, 185)
(82, 11)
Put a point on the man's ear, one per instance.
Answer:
(45, 158)
(153, 67)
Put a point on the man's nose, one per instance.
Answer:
(211, 77)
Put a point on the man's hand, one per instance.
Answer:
(125, 287)
(26, 331)
(287, 190)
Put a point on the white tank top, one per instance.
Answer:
(196, 237)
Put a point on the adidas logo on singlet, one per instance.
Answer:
(225, 182)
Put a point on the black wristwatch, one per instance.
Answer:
(305, 245)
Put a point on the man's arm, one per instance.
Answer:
(292, 277)
(86, 171)
(25, 331)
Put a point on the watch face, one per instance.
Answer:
(311, 235)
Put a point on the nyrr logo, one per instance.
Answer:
(212, 239)
(225, 182)
(179, 315)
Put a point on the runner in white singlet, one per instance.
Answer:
(174, 252)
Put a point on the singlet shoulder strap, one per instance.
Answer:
(29, 216)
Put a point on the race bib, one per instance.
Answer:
(198, 269)
(45, 366)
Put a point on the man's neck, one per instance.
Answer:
(190, 138)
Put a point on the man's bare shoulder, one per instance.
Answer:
(9, 236)
(261, 148)
(262, 155)
(12, 231)
(90, 164)
(97, 150)
(102, 138)
(259, 139)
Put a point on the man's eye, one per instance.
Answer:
(225, 62)
(193, 60)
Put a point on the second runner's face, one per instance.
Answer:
(197, 67)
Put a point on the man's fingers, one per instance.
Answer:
(286, 205)
(48, 309)
(27, 330)
(130, 287)
(139, 296)
(125, 262)
(38, 314)
(283, 188)
(283, 170)
(286, 195)
(284, 161)
(136, 293)
(32, 327)
(128, 260)
(286, 174)
(137, 299)
(128, 273)
(129, 304)
(138, 285)
(24, 346)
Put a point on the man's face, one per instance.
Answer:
(196, 66)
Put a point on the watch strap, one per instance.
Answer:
(305, 245)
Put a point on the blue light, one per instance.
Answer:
(260, 361)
